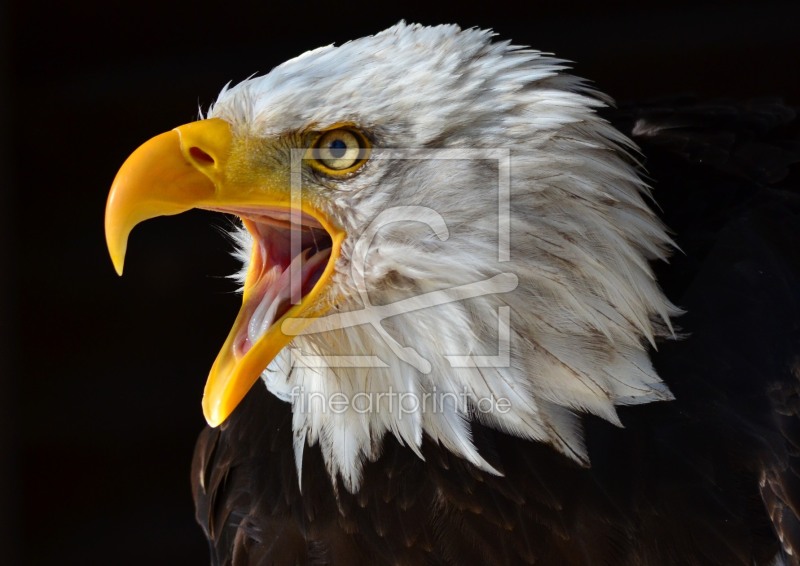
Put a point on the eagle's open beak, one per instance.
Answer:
(295, 247)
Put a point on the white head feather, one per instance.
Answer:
(581, 235)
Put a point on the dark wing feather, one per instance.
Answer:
(726, 176)
(710, 479)
(780, 481)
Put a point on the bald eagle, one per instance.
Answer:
(456, 344)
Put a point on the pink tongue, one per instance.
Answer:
(274, 289)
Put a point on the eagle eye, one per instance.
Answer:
(340, 151)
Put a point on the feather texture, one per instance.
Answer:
(586, 305)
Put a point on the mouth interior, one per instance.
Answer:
(291, 250)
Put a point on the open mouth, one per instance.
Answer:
(291, 251)
(295, 245)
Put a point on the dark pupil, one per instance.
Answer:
(337, 148)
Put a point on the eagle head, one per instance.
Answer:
(436, 229)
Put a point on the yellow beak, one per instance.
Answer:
(202, 165)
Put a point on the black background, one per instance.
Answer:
(100, 377)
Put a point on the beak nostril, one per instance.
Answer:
(201, 156)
